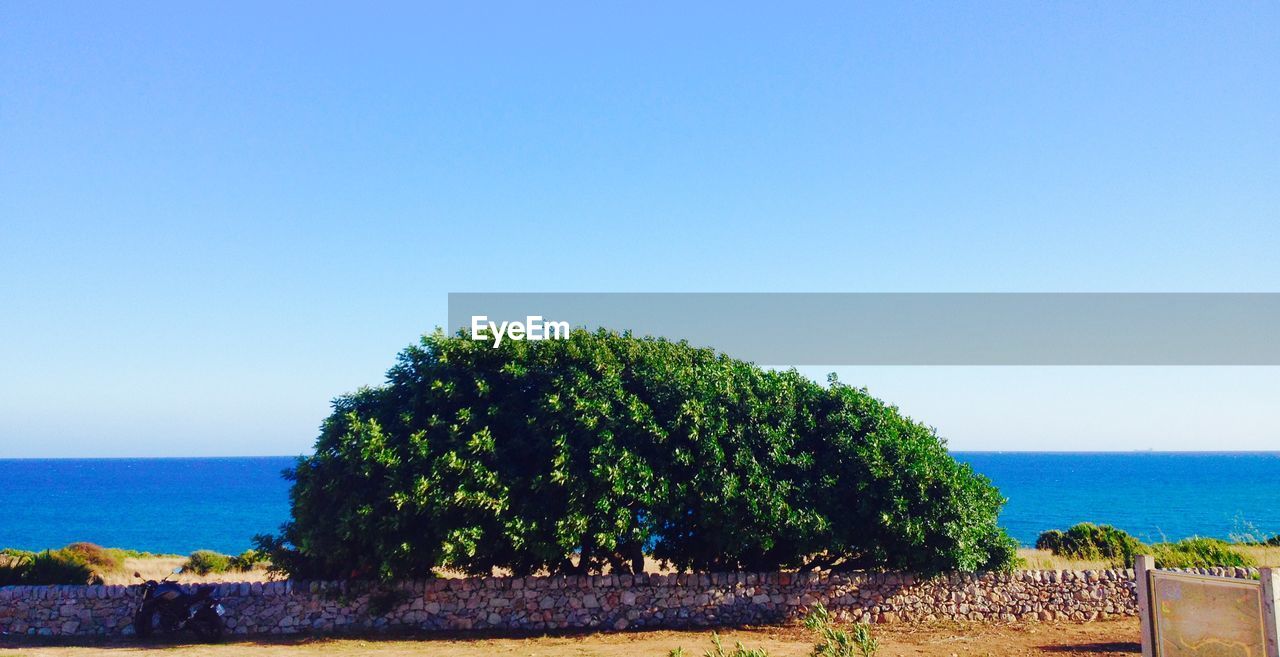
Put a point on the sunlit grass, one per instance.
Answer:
(1046, 560)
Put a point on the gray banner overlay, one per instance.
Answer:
(921, 329)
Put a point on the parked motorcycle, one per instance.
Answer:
(165, 607)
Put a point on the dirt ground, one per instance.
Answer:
(1099, 639)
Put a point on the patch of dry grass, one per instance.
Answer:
(158, 568)
(1046, 560)
(1261, 555)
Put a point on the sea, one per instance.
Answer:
(178, 505)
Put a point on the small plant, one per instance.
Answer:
(834, 642)
(203, 562)
(717, 649)
(1244, 532)
(866, 642)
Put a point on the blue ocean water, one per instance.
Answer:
(1152, 495)
(180, 505)
(171, 505)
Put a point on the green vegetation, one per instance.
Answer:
(203, 562)
(834, 642)
(572, 456)
(12, 566)
(60, 567)
(1198, 553)
(739, 650)
(1091, 542)
(77, 563)
(717, 650)
(102, 560)
(246, 561)
(87, 563)
(65, 566)
(138, 554)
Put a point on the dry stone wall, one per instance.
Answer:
(611, 602)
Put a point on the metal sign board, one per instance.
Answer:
(1202, 616)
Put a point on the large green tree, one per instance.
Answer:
(567, 456)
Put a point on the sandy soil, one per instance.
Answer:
(938, 640)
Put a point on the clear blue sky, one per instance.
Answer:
(213, 220)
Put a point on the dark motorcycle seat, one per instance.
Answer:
(171, 591)
(168, 591)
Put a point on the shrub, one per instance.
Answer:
(77, 563)
(203, 562)
(1092, 542)
(575, 455)
(101, 560)
(246, 561)
(1053, 540)
(13, 566)
(865, 641)
(57, 567)
(1198, 553)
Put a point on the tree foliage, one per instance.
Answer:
(568, 456)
